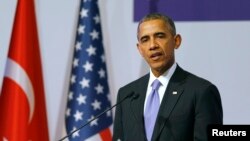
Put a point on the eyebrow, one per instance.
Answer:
(162, 33)
(155, 34)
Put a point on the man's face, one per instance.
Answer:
(156, 44)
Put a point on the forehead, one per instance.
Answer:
(152, 26)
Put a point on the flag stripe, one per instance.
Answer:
(106, 134)
(95, 137)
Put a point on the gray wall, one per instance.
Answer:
(217, 51)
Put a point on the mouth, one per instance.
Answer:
(156, 56)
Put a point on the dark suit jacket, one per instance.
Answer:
(182, 117)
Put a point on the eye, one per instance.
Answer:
(144, 39)
(160, 35)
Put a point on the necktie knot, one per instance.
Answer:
(156, 84)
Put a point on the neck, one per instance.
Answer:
(159, 72)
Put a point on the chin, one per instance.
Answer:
(157, 67)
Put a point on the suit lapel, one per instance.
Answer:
(137, 104)
(173, 92)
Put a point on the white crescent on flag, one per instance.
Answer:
(15, 72)
(4, 139)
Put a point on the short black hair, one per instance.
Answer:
(153, 16)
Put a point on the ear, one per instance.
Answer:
(177, 39)
(139, 49)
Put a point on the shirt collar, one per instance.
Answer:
(165, 77)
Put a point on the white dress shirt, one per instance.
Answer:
(164, 79)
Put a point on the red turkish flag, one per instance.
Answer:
(22, 101)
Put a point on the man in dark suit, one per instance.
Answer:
(180, 107)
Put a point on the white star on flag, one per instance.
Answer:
(99, 89)
(84, 13)
(75, 62)
(78, 115)
(68, 112)
(76, 134)
(78, 46)
(91, 50)
(73, 79)
(81, 99)
(103, 58)
(101, 73)
(94, 122)
(108, 113)
(88, 66)
(97, 19)
(96, 105)
(94, 34)
(70, 96)
(84, 83)
(81, 29)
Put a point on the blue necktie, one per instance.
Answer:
(152, 107)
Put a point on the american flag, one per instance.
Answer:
(88, 92)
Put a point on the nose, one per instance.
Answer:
(153, 44)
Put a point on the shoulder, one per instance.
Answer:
(200, 91)
(197, 80)
(133, 86)
(190, 78)
(199, 86)
(192, 82)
